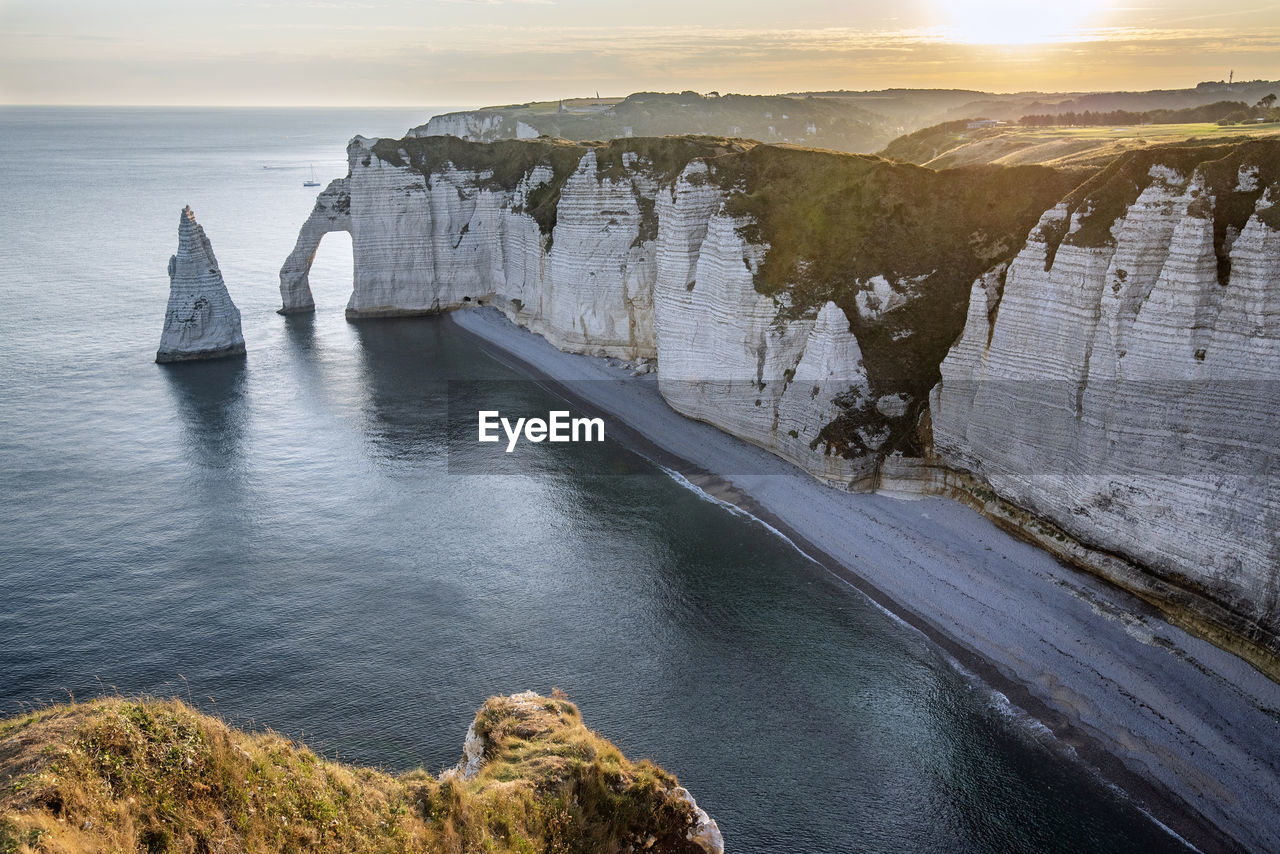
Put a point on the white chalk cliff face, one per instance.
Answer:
(201, 321)
(1127, 392)
(1115, 382)
(332, 212)
(613, 277)
(477, 126)
(724, 358)
(424, 246)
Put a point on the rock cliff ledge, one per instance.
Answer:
(122, 775)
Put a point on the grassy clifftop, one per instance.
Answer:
(835, 224)
(952, 144)
(154, 775)
(503, 164)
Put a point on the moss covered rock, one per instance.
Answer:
(157, 775)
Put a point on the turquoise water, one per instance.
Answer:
(280, 539)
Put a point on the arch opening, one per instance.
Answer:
(331, 275)
(332, 212)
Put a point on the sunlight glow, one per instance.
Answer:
(1009, 22)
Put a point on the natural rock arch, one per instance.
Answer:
(331, 213)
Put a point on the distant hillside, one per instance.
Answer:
(856, 122)
(953, 144)
(814, 122)
(917, 108)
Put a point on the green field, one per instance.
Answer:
(1012, 145)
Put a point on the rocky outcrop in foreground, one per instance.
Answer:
(201, 321)
(123, 775)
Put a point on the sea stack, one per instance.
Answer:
(201, 321)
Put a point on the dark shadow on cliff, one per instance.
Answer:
(426, 382)
(210, 401)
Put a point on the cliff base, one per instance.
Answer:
(168, 357)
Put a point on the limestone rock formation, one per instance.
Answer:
(643, 249)
(332, 212)
(201, 321)
(1113, 380)
(1120, 381)
(723, 356)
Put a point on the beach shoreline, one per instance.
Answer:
(1187, 730)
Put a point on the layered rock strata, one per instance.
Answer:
(1108, 386)
(641, 247)
(332, 212)
(724, 357)
(201, 321)
(1120, 383)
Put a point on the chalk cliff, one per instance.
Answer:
(723, 356)
(477, 126)
(332, 212)
(832, 123)
(1119, 381)
(685, 249)
(1106, 385)
(201, 321)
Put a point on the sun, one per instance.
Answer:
(1010, 22)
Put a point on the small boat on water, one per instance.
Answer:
(311, 182)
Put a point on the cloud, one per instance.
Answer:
(404, 56)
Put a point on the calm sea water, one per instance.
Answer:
(279, 538)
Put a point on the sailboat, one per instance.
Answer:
(311, 182)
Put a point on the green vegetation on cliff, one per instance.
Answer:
(153, 776)
(1101, 201)
(504, 164)
(832, 222)
(953, 144)
(925, 144)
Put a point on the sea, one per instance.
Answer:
(280, 539)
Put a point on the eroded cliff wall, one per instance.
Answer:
(1110, 350)
(816, 336)
(1120, 380)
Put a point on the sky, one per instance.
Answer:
(476, 52)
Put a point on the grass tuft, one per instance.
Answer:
(158, 776)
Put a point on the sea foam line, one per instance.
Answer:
(1036, 729)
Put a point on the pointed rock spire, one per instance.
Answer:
(201, 322)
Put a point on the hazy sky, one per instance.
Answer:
(445, 52)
